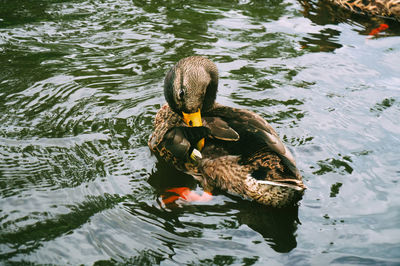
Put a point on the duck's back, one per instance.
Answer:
(386, 8)
(255, 164)
(244, 133)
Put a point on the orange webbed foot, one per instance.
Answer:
(186, 194)
(377, 30)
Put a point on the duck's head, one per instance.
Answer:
(190, 88)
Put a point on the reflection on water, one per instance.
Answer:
(277, 226)
(81, 82)
(324, 41)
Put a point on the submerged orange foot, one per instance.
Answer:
(186, 194)
(376, 31)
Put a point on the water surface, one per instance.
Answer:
(81, 81)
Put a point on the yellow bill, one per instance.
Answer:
(194, 120)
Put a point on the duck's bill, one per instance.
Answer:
(194, 120)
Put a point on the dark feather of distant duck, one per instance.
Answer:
(383, 8)
(231, 149)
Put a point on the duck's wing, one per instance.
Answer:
(172, 138)
(254, 132)
(219, 129)
(180, 141)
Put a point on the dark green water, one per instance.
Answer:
(81, 81)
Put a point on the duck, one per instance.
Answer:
(230, 149)
(382, 8)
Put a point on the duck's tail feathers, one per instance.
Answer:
(290, 183)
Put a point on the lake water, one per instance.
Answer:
(81, 81)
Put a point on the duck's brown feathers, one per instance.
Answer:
(242, 155)
(385, 8)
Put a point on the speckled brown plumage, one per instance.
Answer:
(385, 8)
(243, 154)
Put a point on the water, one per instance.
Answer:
(82, 80)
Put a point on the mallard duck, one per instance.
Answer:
(232, 149)
(384, 8)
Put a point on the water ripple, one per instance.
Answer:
(81, 82)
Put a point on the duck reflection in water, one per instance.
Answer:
(277, 226)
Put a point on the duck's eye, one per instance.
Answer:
(181, 94)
